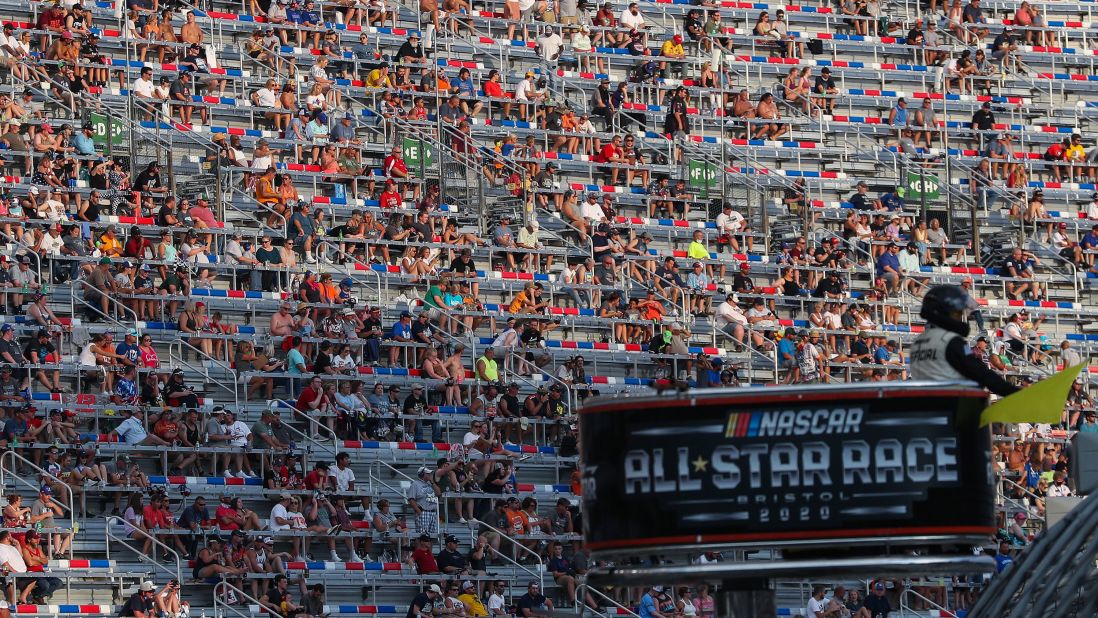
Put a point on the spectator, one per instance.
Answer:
(888, 267)
(430, 602)
(534, 603)
(142, 603)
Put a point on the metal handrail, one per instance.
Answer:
(333, 448)
(539, 573)
(16, 457)
(224, 586)
(905, 607)
(583, 589)
(37, 260)
(403, 493)
(514, 357)
(203, 369)
(1024, 491)
(110, 536)
(73, 299)
(311, 420)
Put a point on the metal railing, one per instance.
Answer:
(223, 608)
(582, 590)
(375, 477)
(538, 573)
(907, 609)
(22, 479)
(171, 555)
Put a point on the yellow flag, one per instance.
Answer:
(1042, 402)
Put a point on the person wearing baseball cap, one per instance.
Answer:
(539, 604)
(474, 606)
(423, 500)
(424, 603)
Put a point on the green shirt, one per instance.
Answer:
(429, 299)
(260, 429)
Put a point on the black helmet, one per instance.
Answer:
(942, 301)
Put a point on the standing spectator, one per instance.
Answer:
(423, 500)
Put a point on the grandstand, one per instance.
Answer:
(299, 260)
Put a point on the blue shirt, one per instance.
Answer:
(882, 355)
(1089, 240)
(132, 353)
(891, 201)
(787, 347)
(402, 330)
(293, 359)
(647, 606)
(900, 119)
(304, 221)
(1002, 561)
(83, 144)
(295, 16)
(465, 87)
(887, 259)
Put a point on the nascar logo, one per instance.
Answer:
(780, 423)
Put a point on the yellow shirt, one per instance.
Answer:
(1075, 152)
(108, 246)
(473, 605)
(671, 49)
(697, 251)
(520, 299)
(376, 80)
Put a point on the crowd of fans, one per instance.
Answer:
(319, 346)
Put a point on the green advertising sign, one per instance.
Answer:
(101, 126)
(416, 152)
(921, 186)
(702, 175)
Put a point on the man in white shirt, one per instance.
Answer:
(266, 97)
(239, 437)
(730, 318)
(497, 605)
(11, 561)
(909, 263)
(132, 430)
(280, 520)
(52, 208)
(343, 478)
(631, 17)
(1059, 488)
(1092, 207)
(52, 243)
(732, 223)
(591, 210)
(143, 86)
(549, 44)
(817, 604)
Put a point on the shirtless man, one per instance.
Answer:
(190, 32)
(282, 323)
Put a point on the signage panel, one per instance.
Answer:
(793, 465)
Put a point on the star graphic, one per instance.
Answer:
(700, 464)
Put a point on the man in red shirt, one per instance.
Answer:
(612, 153)
(390, 197)
(394, 164)
(394, 167)
(423, 558)
(1055, 154)
(317, 478)
(137, 244)
(492, 87)
(311, 398)
(51, 20)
